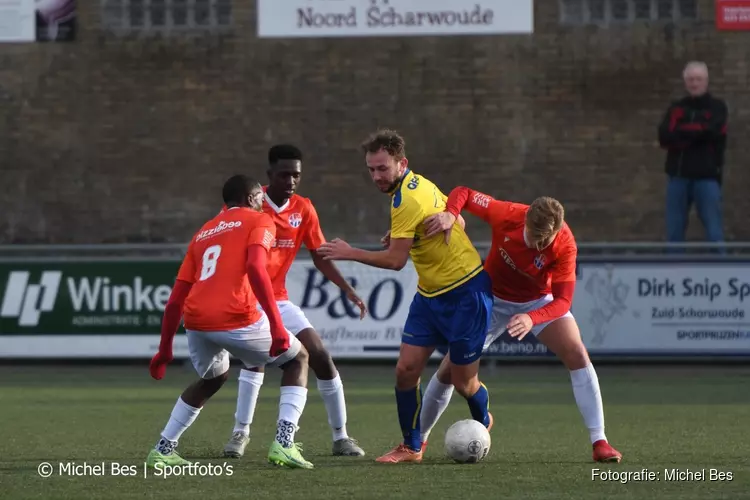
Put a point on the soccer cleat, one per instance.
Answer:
(288, 457)
(347, 447)
(156, 459)
(603, 452)
(235, 448)
(401, 453)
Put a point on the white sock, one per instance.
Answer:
(589, 400)
(434, 402)
(332, 392)
(247, 399)
(291, 404)
(182, 416)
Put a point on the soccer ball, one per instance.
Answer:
(467, 442)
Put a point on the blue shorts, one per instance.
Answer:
(457, 320)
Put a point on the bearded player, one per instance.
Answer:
(532, 264)
(296, 223)
(453, 302)
(223, 272)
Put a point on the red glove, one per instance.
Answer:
(279, 341)
(158, 365)
(169, 325)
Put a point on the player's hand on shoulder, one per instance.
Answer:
(359, 303)
(158, 365)
(336, 249)
(386, 240)
(438, 223)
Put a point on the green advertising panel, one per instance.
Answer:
(84, 297)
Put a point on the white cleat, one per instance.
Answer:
(235, 448)
(347, 447)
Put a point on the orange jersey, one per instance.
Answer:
(520, 273)
(216, 264)
(296, 223)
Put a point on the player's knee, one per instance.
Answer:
(575, 356)
(302, 357)
(321, 363)
(320, 359)
(466, 387)
(407, 374)
(212, 385)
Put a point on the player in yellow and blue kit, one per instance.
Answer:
(453, 304)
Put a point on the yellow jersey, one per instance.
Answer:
(441, 267)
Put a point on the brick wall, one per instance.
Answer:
(113, 140)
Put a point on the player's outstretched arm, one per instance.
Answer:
(332, 273)
(169, 324)
(394, 257)
(260, 282)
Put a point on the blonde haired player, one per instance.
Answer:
(532, 264)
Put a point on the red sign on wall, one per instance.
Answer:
(733, 15)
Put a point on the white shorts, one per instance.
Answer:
(502, 311)
(292, 316)
(209, 351)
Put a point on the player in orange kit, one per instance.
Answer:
(223, 272)
(532, 263)
(296, 223)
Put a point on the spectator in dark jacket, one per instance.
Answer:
(693, 132)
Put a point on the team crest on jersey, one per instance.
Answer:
(539, 261)
(295, 220)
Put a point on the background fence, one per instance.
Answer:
(635, 300)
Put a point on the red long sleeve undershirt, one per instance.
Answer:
(259, 281)
(262, 287)
(457, 200)
(173, 314)
(562, 298)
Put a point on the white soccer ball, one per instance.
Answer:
(467, 441)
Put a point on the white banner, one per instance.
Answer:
(638, 309)
(666, 308)
(388, 295)
(88, 346)
(354, 18)
(17, 21)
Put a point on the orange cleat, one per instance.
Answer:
(401, 453)
(603, 452)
